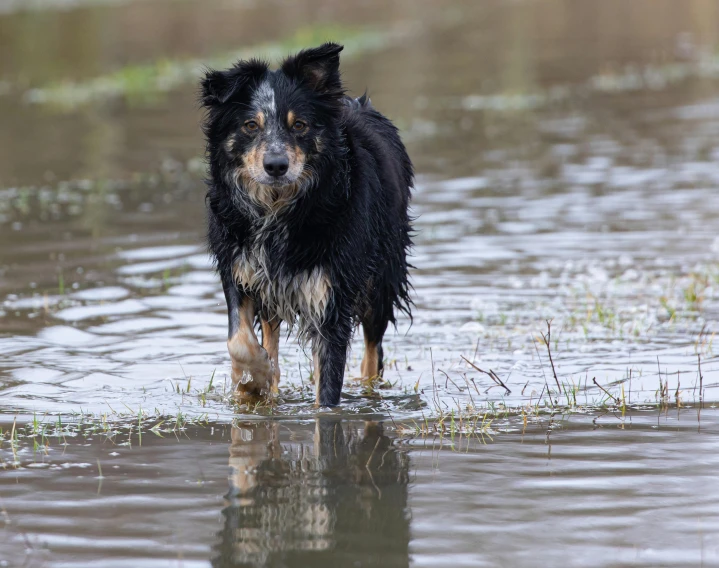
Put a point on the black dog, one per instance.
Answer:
(308, 221)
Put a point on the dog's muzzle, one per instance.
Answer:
(276, 164)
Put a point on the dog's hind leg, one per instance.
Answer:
(271, 343)
(374, 325)
(251, 366)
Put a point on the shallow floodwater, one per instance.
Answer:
(343, 492)
(566, 157)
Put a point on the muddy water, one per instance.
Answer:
(343, 492)
(567, 171)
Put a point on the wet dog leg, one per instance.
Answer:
(251, 367)
(374, 327)
(329, 353)
(372, 361)
(271, 343)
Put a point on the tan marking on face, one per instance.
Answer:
(251, 367)
(271, 343)
(252, 168)
(297, 161)
(252, 159)
(260, 119)
(270, 197)
(290, 119)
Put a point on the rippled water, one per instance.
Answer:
(567, 171)
(333, 492)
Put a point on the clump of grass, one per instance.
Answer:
(471, 412)
(123, 429)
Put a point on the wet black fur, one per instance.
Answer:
(353, 221)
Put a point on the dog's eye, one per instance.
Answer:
(251, 125)
(299, 125)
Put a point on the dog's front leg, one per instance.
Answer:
(271, 343)
(329, 353)
(251, 367)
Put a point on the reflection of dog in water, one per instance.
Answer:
(340, 500)
(308, 223)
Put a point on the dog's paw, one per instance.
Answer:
(251, 367)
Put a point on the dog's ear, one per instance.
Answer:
(218, 87)
(318, 67)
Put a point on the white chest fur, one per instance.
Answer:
(304, 295)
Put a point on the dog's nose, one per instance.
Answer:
(276, 164)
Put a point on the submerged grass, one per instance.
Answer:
(31, 442)
(456, 404)
(469, 416)
(145, 82)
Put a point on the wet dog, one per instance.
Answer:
(308, 195)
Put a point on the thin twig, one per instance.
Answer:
(469, 391)
(701, 378)
(491, 374)
(547, 340)
(371, 478)
(372, 454)
(434, 383)
(476, 349)
(541, 394)
(450, 380)
(614, 398)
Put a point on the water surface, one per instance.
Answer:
(566, 157)
(345, 492)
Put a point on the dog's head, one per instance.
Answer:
(267, 130)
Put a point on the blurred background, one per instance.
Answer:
(566, 168)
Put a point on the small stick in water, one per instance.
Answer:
(491, 374)
(614, 398)
(547, 340)
(701, 378)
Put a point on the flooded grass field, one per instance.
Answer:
(553, 402)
